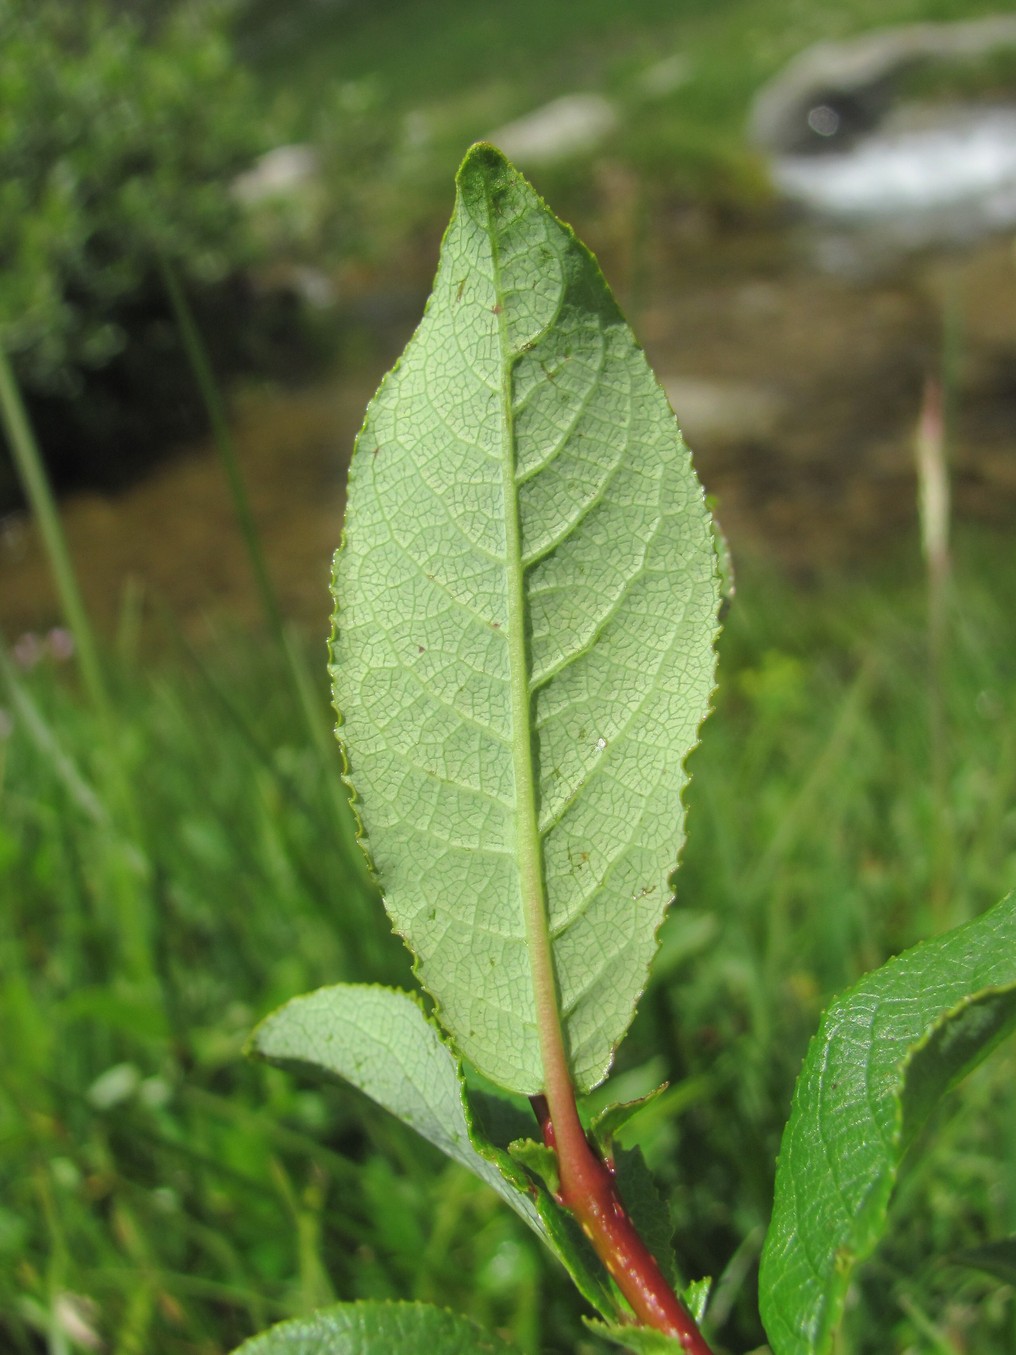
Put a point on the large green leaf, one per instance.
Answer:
(376, 1328)
(885, 1052)
(526, 604)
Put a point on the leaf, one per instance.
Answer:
(376, 1328)
(885, 1052)
(609, 1122)
(539, 1160)
(568, 1239)
(647, 1208)
(696, 1296)
(640, 1340)
(526, 604)
(380, 1041)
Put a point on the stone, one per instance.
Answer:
(835, 91)
(284, 172)
(715, 413)
(565, 126)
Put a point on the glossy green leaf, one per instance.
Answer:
(376, 1328)
(885, 1052)
(526, 605)
(380, 1041)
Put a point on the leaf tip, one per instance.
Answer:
(484, 169)
(483, 156)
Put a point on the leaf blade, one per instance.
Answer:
(526, 602)
(380, 1041)
(885, 1051)
(373, 1327)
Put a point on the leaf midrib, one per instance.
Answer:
(528, 839)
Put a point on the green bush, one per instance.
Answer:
(118, 141)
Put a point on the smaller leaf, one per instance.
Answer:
(377, 1328)
(647, 1209)
(539, 1160)
(640, 1340)
(574, 1251)
(380, 1041)
(696, 1297)
(885, 1052)
(612, 1119)
(566, 1237)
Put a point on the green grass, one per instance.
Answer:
(144, 1164)
(190, 1198)
(812, 853)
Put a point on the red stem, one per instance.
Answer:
(588, 1191)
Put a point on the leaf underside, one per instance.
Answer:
(526, 604)
(376, 1328)
(380, 1041)
(885, 1053)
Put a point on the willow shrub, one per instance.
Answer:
(527, 598)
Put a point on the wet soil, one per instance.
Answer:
(826, 477)
(799, 392)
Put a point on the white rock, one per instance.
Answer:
(845, 87)
(575, 122)
(714, 413)
(279, 173)
(663, 77)
(968, 156)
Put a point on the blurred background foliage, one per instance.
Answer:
(124, 129)
(120, 130)
(117, 142)
(176, 860)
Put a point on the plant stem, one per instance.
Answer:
(587, 1185)
(128, 865)
(201, 367)
(933, 503)
(589, 1192)
(31, 472)
(320, 735)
